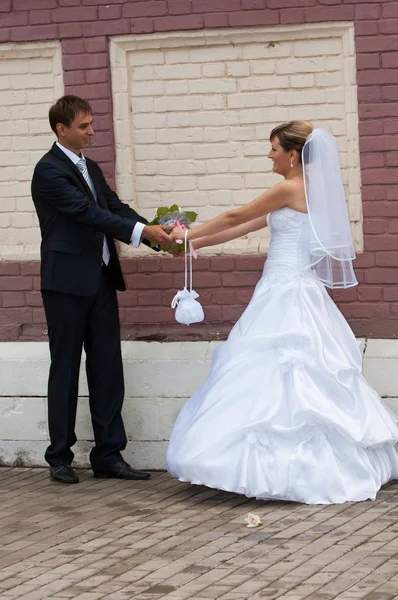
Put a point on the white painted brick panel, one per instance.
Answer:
(204, 103)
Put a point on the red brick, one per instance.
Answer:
(213, 314)
(393, 226)
(364, 260)
(39, 17)
(367, 11)
(244, 295)
(380, 209)
(389, 10)
(201, 280)
(100, 28)
(100, 154)
(73, 78)
(149, 265)
(30, 268)
(85, 61)
(10, 332)
(9, 268)
(13, 299)
(154, 8)
(370, 127)
(73, 46)
(33, 299)
(390, 293)
(253, 4)
(207, 6)
(329, 13)
(34, 32)
(387, 259)
(98, 44)
(369, 93)
(142, 26)
(150, 298)
(91, 91)
(367, 61)
(254, 17)
(390, 125)
(239, 279)
(5, 5)
(368, 310)
(128, 298)
(217, 20)
(383, 176)
(366, 27)
(110, 12)
(381, 242)
(370, 160)
(384, 142)
(5, 35)
(129, 265)
(158, 314)
(152, 281)
(392, 159)
(373, 192)
(70, 15)
(17, 283)
(349, 295)
(10, 316)
(250, 263)
(38, 316)
(380, 275)
(381, 77)
(231, 313)
(180, 7)
(69, 2)
(290, 3)
(387, 27)
(367, 293)
(374, 226)
(392, 192)
(377, 43)
(292, 15)
(390, 92)
(223, 296)
(97, 76)
(33, 4)
(202, 263)
(181, 22)
(222, 263)
(66, 31)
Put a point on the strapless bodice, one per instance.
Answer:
(288, 253)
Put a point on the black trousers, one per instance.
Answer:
(92, 322)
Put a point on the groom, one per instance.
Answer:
(79, 218)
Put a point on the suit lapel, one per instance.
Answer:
(100, 197)
(69, 164)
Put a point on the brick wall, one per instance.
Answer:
(226, 283)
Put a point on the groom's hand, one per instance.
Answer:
(158, 234)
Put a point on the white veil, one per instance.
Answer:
(331, 244)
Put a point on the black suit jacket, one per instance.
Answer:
(73, 225)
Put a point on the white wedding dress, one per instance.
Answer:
(285, 413)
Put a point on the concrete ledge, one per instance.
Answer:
(152, 372)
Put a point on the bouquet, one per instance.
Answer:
(174, 216)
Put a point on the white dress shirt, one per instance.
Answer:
(138, 227)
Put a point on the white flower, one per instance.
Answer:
(253, 520)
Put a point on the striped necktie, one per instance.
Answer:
(82, 166)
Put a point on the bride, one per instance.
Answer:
(285, 413)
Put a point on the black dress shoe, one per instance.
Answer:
(64, 474)
(121, 470)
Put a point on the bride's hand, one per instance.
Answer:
(177, 233)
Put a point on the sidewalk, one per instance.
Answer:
(116, 540)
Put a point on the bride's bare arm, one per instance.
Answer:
(281, 194)
(230, 234)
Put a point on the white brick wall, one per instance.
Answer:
(30, 80)
(203, 105)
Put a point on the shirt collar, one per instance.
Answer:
(73, 157)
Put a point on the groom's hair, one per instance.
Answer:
(66, 109)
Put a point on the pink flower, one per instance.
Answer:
(253, 520)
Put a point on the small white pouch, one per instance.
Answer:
(188, 309)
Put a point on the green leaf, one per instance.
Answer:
(162, 210)
(191, 215)
(174, 208)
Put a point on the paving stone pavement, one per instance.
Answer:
(166, 540)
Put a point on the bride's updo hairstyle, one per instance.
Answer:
(292, 135)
